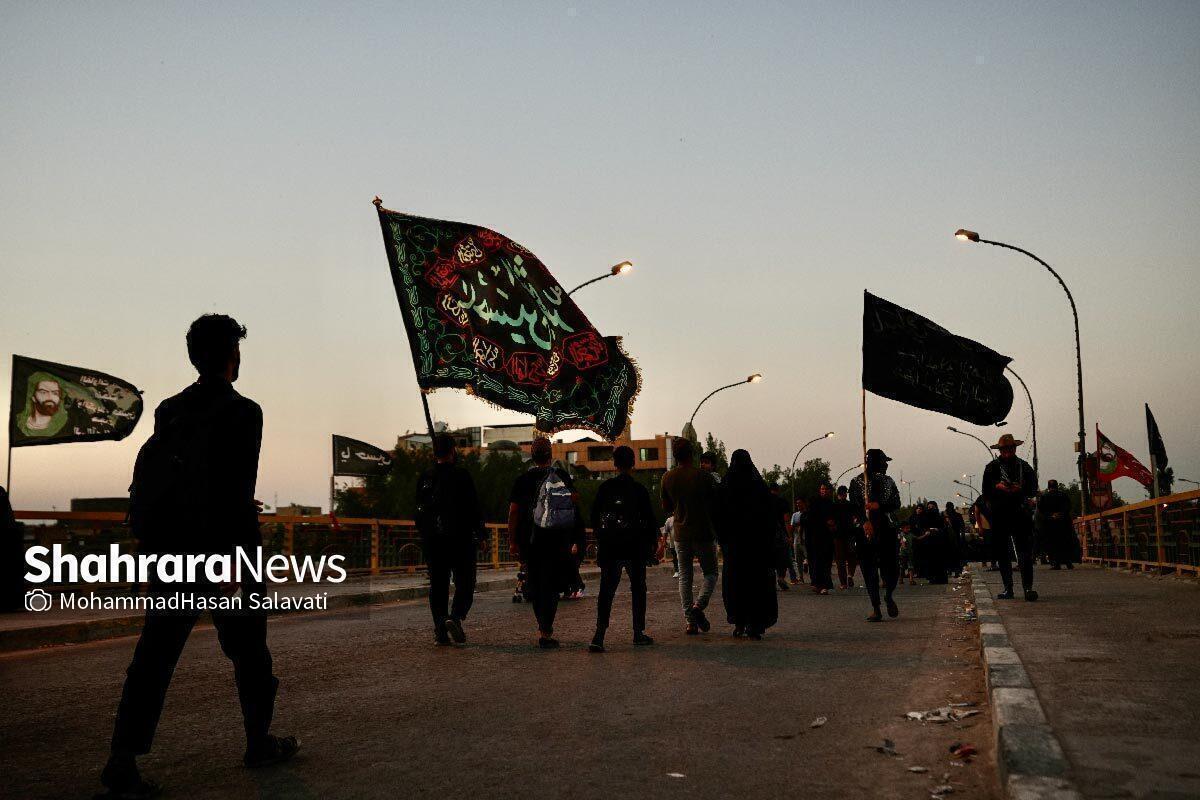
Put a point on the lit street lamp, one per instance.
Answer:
(689, 431)
(839, 477)
(797, 458)
(967, 486)
(972, 236)
(909, 485)
(617, 269)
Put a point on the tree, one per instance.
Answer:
(717, 448)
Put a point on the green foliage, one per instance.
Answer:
(804, 481)
(717, 448)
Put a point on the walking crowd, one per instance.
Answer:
(204, 455)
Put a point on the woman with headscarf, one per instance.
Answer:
(746, 531)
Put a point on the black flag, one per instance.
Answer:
(54, 404)
(913, 360)
(352, 457)
(1158, 452)
(484, 314)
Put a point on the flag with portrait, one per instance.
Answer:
(56, 403)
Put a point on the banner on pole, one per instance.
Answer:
(56, 404)
(359, 459)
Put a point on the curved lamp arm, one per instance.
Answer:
(617, 269)
(797, 458)
(991, 455)
(755, 378)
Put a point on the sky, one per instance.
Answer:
(760, 163)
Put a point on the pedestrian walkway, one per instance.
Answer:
(1113, 657)
(23, 631)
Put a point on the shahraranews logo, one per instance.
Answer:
(218, 569)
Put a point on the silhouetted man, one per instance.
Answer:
(12, 558)
(544, 530)
(1009, 488)
(623, 520)
(878, 545)
(193, 492)
(687, 494)
(451, 527)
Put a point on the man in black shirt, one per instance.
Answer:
(1009, 489)
(217, 434)
(623, 520)
(451, 528)
(544, 531)
(877, 543)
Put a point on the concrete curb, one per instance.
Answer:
(78, 632)
(1031, 761)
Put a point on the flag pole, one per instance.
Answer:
(387, 246)
(866, 474)
(8, 469)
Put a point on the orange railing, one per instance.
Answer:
(1155, 535)
(370, 546)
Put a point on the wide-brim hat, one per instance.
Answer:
(875, 454)
(1007, 440)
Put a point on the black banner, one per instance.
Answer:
(352, 457)
(913, 360)
(55, 404)
(484, 314)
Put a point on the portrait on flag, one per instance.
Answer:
(484, 314)
(1114, 462)
(55, 403)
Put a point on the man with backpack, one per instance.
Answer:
(544, 531)
(451, 527)
(623, 520)
(193, 492)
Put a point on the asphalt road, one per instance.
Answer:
(382, 713)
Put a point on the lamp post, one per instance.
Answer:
(617, 269)
(689, 430)
(972, 236)
(909, 485)
(1032, 422)
(797, 458)
(986, 446)
(967, 486)
(971, 478)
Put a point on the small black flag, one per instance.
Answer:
(913, 360)
(54, 404)
(352, 457)
(1158, 451)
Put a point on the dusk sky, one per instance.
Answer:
(761, 164)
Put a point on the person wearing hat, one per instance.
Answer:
(1009, 487)
(877, 543)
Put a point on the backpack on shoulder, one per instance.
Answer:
(554, 509)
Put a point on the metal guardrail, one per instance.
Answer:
(1161, 535)
(371, 546)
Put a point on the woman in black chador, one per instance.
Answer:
(746, 530)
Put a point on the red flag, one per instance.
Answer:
(1113, 462)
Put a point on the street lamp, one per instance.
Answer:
(972, 236)
(617, 269)
(1032, 422)
(1188, 480)
(968, 486)
(797, 458)
(986, 446)
(909, 485)
(689, 431)
(856, 466)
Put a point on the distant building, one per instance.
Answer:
(93, 504)
(297, 510)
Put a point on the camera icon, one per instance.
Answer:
(38, 600)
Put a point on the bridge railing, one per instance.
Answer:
(1161, 535)
(370, 546)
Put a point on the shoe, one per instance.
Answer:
(597, 645)
(1007, 594)
(676, 575)
(754, 636)
(641, 640)
(824, 591)
(123, 781)
(455, 629)
(441, 638)
(700, 620)
(875, 616)
(547, 643)
(691, 630)
(1031, 595)
(794, 581)
(272, 750)
(892, 608)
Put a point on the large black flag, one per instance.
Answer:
(484, 314)
(913, 360)
(352, 457)
(54, 403)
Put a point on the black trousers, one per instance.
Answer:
(547, 560)
(456, 559)
(878, 560)
(243, 637)
(1006, 537)
(610, 578)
